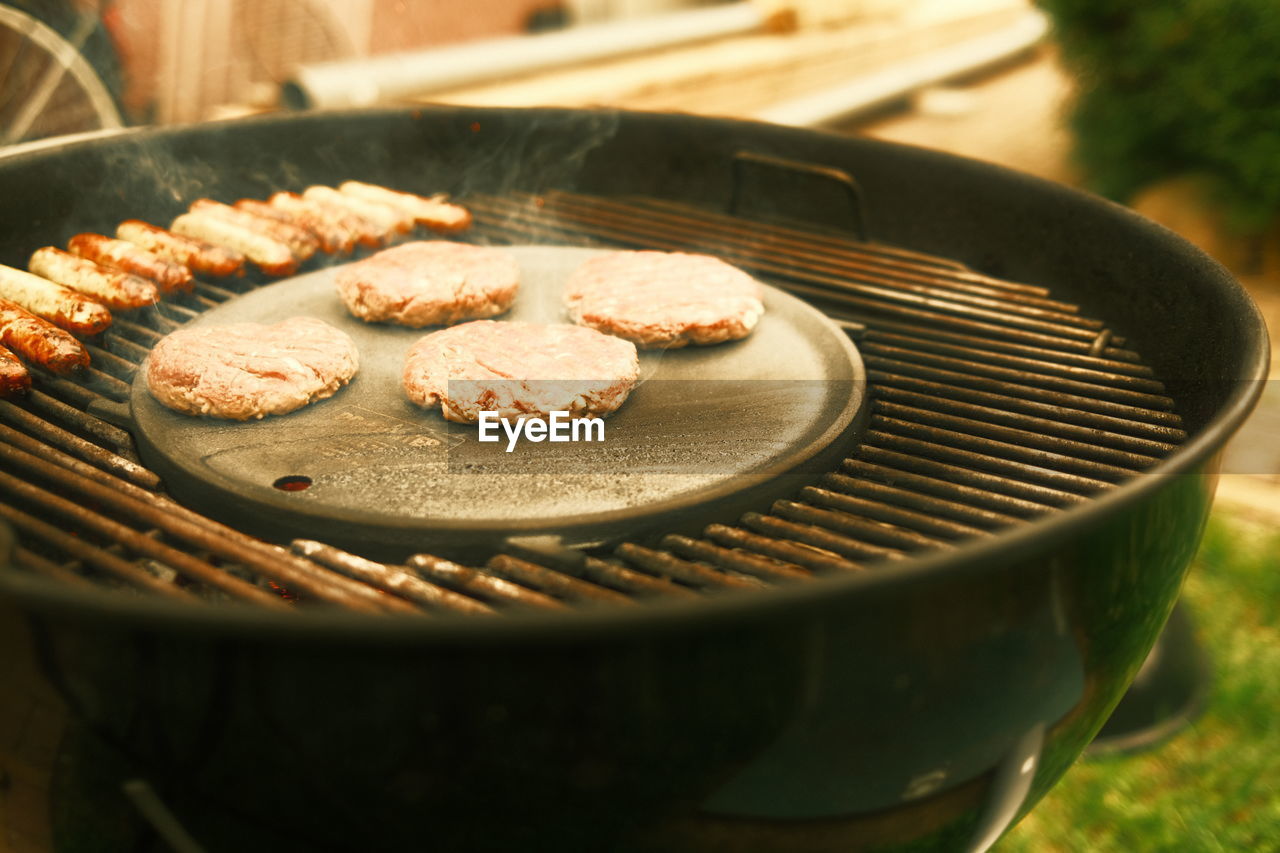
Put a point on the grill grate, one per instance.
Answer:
(992, 404)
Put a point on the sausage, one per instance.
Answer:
(435, 213)
(60, 305)
(254, 207)
(112, 288)
(332, 238)
(389, 220)
(195, 254)
(271, 256)
(39, 341)
(127, 257)
(358, 229)
(14, 378)
(300, 241)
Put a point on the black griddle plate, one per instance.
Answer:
(709, 431)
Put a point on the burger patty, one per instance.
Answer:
(429, 283)
(250, 370)
(664, 299)
(520, 369)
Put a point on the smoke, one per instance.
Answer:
(534, 156)
(143, 163)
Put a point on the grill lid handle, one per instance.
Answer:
(745, 162)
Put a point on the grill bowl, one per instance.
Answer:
(887, 706)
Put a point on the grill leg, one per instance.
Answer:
(1168, 693)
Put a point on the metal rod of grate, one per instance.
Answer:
(992, 404)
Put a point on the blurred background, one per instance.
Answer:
(1170, 106)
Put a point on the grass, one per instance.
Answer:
(1216, 785)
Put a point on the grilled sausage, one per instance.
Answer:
(14, 378)
(300, 241)
(197, 255)
(359, 230)
(129, 258)
(39, 341)
(112, 288)
(390, 220)
(331, 237)
(271, 256)
(255, 207)
(59, 305)
(435, 213)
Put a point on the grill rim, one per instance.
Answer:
(1195, 457)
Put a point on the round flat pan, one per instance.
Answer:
(707, 428)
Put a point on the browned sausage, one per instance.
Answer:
(355, 228)
(14, 378)
(112, 288)
(253, 207)
(125, 256)
(39, 341)
(300, 242)
(271, 256)
(435, 213)
(332, 238)
(390, 220)
(195, 254)
(60, 305)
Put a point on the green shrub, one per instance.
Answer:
(1171, 87)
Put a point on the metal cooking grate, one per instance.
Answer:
(992, 403)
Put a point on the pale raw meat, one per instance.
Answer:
(520, 369)
(250, 370)
(664, 299)
(429, 283)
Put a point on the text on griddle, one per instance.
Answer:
(561, 426)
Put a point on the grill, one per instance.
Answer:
(992, 403)
(907, 647)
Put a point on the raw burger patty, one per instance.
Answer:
(429, 283)
(664, 299)
(250, 370)
(520, 369)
